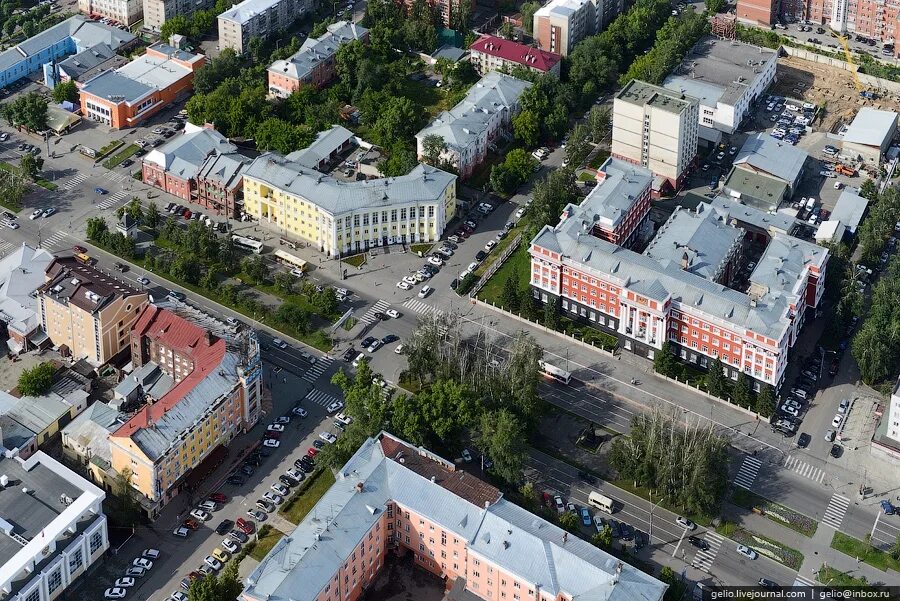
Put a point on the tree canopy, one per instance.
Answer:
(36, 380)
(65, 91)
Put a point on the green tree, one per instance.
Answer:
(211, 74)
(868, 189)
(569, 521)
(528, 9)
(765, 401)
(509, 298)
(528, 494)
(603, 539)
(520, 164)
(134, 209)
(715, 379)
(65, 91)
(527, 303)
(123, 491)
(599, 122)
(715, 6)
(29, 110)
(401, 160)
(281, 136)
(398, 120)
(551, 314)
(664, 361)
(178, 24)
(227, 585)
(667, 574)
(742, 392)
(285, 282)
(31, 165)
(255, 269)
(37, 380)
(96, 228)
(433, 146)
(501, 180)
(578, 147)
(152, 216)
(527, 128)
(502, 437)
(506, 30)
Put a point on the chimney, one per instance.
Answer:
(685, 261)
(618, 572)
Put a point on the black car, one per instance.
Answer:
(766, 583)
(454, 284)
(236, 480)
(349, 355)
(615, 528)
(640, 539)
(299, 463)
(288, 481)
(480, 255)
(127, 163)
(698, 542)
(586, 477)
(390, 338)
(836, 450)
(247, 469)
(319, 444)
(379, 315)
(224, 526)
(803, 440)
(265, 451)
(367, 341)
(179, 296)
(627, 531)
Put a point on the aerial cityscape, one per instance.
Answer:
(463, 300)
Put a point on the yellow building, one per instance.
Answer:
(87, 311)
(198, 392)
(346, 217)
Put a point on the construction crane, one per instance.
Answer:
(849, 55)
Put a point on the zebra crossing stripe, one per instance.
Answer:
(75, 181)
(747, 474)
(704, 558)
(801, 581)
(834, 513)
(805, 469)
(379, 307)
(317, 369)
(422, 308)
(53, 240)
(320, 398)
(4, 247)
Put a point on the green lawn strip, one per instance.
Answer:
(500, 248)
(772, 549)
(268, 536)
(297, 299)
(43, 183)
(424, 249)
(356, 260)
(116, 159)
(865, 552)
(309, 493)
(109, 149)
(644, 493)
(586, 176)
(832, 577)
(517, 265)
(348, 324)
(779, 514)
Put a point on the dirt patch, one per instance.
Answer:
(401, 580)
(820, 84)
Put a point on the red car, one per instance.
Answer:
(245, 526)
(546, 501)
(79, 249)
(273, 434)
(187, 215)
(218, 497)
(312, 452)
(192, 524)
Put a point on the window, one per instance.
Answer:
(54, 581)
(76, 561)
(96, 542)
(34, 595)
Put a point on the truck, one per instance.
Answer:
(844, 170)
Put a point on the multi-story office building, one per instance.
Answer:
(471, 127)
(344, 217)
(393, 498)
(86, 312)
(126, 12)
(199, 390)
(655, 128)
(157, 12)
(490, 53)
(448, 10)
(129, 95)
(676, 291)
(220, 183)
(53, 527)
(726, 77)
(622, 202)
(886, 441)
(313, 64)
(257, 19)
(560, 24)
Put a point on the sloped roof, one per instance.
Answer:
(527, 56)
(317, 50)
(21, 273)
(871, 127)
(623, 183)
(184, 154)
(701, 238)
(84, 286)
(849, 209)
(764, 154)
(223, 167)
(326, 142)
(90, 430)
(732, 209)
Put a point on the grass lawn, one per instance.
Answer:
(775, 512)
(867, 553)
(109, 148)
(586, 176)
(598, 159)
(772, 549)
(356, 260)
(424, 249)
(518, 265)
(43, 183)
(116, 159)
(303, 501)
(702, 519)
(832, 577)
(348, 324)
(265, 543)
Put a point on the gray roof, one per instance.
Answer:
(777, 274)
(149, 378)
(326, 142)
(721, 65)
(451, 53)
(21, 273)
(701, 237)
(870, 127)
(641, 93)
(519, 542)
(762, 191)
(91, 429)
(15, 435)
(764, 154)
(184, 154)
(466, 121)
(38, 413)
(317, 50)
(609, 202)
(223, 167)
(770, 222)
(88, 60)
(849, 209)
(246, 10)
(423, 184)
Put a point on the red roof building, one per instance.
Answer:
(491, 53)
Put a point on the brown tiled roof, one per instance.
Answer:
(93, 289)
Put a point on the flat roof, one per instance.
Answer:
(764, 154)
(871, 127)
(248, 9)
(758, 190)
(849, 209)
(770, 222)
(562, 8)
(641, 93)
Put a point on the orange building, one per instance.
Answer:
(392, 498)
(126, 96)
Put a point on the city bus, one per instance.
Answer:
(601, 502)
(254, 246)
(289, 259)
(551, 371)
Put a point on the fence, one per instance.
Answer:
(892, 87)
(493, 267)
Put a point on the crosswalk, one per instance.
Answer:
(834, 513)
(804, 469)
(116, 177)
(320, 398)
(704, 557)
(747, 474)
(801, 581)
(54, 240)
(312, 374)
(379, 307)
(76, 180)
(112, 200)
(418, 306)
(5, 247)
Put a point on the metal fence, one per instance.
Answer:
(492, 269)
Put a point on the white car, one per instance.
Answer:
(328, 437)
(838, 185)
(114, 593)
(229, 545)
(598, 523)
(275, 427)
(685, 523)
(436, 261)
(472, 266)
(271, 443)
(490, 246)
(404, 286)
(273, 497)
(298, 273)
(281, 489)
(124, 582)
(151, 554)
(282, 420)
(199, 514)
(295, 474)
(747, 552)
(344, 418)
(177, 596)
(181, 532)
(209, 506)
(279, 343)
(299, 412)
(790, 410)
(12, 225)
(393, 313)
(466, 455)
(335, 406)
(399, 349)
(36, 213)
(425, 291)
(142, 562)
(837, 421)
(409, 279)
(213, 562)
(519, 213)
(844, 406)
(143, 281)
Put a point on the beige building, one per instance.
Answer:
(126, 12)
(88, 311)
(157, 12)
(257, 19)
(560, 24)
(655, 128)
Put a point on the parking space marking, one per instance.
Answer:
(747, 474)
(74, 181)
(379, 307)
(318, 368)
(54, 240)
(320, 398)
(834, 513)
(705, 557)
(422, 308)
(804, 469)
(884, 534)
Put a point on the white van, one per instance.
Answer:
(810, 203)
(601, 502)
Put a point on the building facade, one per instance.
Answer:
(259, 19)
(471, 128)
(209, 392)
(873, 19)
(622, 202)
(157, 12)
(88, 312)
(676, 290)
(560, 24)
(126, 12)
(313, 64)
(128, 96)
(54, 526)
(448, 10)
(656, 129)
(393, 499)
(490, 53)
(220, 184)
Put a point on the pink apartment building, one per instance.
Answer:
(392, 499)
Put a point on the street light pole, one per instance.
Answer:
(652, 509)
